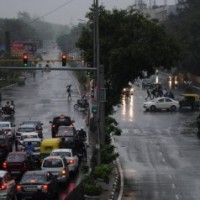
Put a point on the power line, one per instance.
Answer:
(52, 11)
(48, 13)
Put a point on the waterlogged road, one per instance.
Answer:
(159, 152)
(44, 97)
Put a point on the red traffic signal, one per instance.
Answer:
(25, 59)
(64, 59)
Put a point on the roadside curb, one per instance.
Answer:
(120, 172)
(8, 86)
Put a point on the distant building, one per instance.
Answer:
(161, 13)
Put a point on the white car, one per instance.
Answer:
(70, 156)
(58, 166)
(24, 136)
(8, 127)
(25, 128)
(161, 103)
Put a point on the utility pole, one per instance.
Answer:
(96, 64)
(7, 43)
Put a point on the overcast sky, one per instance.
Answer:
(64, 12)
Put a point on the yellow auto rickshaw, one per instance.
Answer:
(47, 145)
(189, 100)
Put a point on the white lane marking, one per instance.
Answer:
(163, 160)
(161, 153)
(170, 176)
(173, 186)
(176, 196)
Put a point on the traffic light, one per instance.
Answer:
(88, 73)
(25, 59)
(92, 84)
(64, 59)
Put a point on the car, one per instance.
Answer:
(71, 157)
(28, 135)
(5, 147)
(130, 90)
(38, 126)
(16, 163)
(7, 185)
(34, 184)
(161, 103)
(58, 166)
(66, 131)
(8, 127)
(25, 128)
(61, 120)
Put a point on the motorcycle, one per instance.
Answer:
(81, 104)
(7, 111)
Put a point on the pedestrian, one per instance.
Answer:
(164, 92)
(69, 91)
(148, 94)
(170, 94)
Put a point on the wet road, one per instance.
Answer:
(159, 152)
(44, 97)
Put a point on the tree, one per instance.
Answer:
(185, 26)
(129, 43)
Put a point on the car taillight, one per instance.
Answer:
(18, 187)
(3, 187)
(5, 165)
(53, 126)
(45, 187)
(71, 161)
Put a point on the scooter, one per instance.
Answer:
(79, 105)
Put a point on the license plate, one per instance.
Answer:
(15, 172)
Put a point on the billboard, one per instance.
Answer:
(19, 47)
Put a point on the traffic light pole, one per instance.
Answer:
(52, 68)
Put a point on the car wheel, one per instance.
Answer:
(153, 108)
(76, 106)
(173, 108)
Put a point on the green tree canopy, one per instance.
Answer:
(129, 43)
(186, 27)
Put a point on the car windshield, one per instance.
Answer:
(4, 125)
(65, 131)
(16, 158)
(26, 129)
(34, 143)
(59, 153)
(52, 163)
(33, 178)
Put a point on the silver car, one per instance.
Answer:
(7, 186)
(58, 166)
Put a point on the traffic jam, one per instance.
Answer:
(34, 167)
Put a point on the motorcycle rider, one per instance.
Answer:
(30, 150)
(82, 134)
(8, 107)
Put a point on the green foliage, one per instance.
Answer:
(90, 187)
(102, 171)
(107, 154)
(84, 168)
(185, 26)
